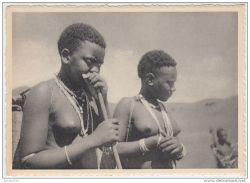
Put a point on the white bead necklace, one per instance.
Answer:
(71, 96)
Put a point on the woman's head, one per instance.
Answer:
(158, 73)
(82, 50)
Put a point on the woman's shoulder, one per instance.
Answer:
(43, 87)
(125, 104)
(39, 93)
(126, 100)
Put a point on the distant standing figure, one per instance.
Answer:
(226, 154)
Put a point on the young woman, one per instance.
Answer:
(60, 127)
(148, 138)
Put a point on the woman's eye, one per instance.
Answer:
(91, 61)
(170, 83)
(87, 60)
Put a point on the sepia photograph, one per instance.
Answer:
(125, 90)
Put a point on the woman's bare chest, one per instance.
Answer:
(146, 123)
(65, 115)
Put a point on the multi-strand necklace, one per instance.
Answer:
(78, 99)
(157, 107)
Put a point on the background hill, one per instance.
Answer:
(195, 119)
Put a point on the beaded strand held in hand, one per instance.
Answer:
(67, 156)
(167, 125)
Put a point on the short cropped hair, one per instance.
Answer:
(74, 34)
(153, 60)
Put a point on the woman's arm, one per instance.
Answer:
(133, 147)
(122, 112)
(56, 158)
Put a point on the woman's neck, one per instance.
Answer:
(149, 97)
(70, 83)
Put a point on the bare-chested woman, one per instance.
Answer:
(61, 116)
(148, 138)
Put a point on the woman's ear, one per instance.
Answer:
(65, 55)
(150, 79)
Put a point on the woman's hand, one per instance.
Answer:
(151, 142)
(106, 132)
(98, 82)
(171, 147)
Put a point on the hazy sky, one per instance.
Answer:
(203, 44)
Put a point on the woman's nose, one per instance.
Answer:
(95, 69)
(173, 89)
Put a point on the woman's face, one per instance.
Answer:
(164, 82)
(88, 57)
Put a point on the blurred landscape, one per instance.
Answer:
(195, 120)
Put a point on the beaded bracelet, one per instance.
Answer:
(142, 146)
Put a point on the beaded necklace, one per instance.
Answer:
(74, 101)
(154, 106)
